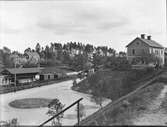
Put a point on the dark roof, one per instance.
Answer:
(23, 70)
(151, 43)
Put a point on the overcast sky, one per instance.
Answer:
(100, 22)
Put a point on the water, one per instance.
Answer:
(37, 116)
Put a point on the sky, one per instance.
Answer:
(113, 23)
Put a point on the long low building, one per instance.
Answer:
(27, 75)
(23, 75)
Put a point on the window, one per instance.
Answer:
(143, 51)
(161, 51)
(133, 51)
(48, 76)
(137, 43)
(156, 52)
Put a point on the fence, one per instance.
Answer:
(76, 102)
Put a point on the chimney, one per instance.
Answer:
(143, 36)
(149, 37)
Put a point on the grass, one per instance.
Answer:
(124, 114)
(164, 104)
(116, 83)
(29, 103)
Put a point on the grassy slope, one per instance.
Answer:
(138, 104)
(117, 83)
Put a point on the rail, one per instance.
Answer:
(76, 102)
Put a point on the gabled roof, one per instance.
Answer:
(151, 43)
(23, 70)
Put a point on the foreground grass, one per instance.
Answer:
(127, 111)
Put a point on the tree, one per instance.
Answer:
(112, 51)
(98, 92)
(104, 50)
(122, 54)
(79, 61)
(6, 60)
(55, 107)
(27, 50)
(38, 48)
(118, 63)
(74, 83)
(99, 60)
(6, 50)
(82, 112)
(88, 48)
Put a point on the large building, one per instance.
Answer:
(142, 46)
(27, 75)
(22, 75)
(165, 56)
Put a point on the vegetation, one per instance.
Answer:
(98, 93)
(147, 58)
(11, 123)
(72, 54)
(55, 106)
(74, 83)
(130, 108)
(112, 83)
(118, 63)
(29, 103)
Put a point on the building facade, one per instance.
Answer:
(20, 75)
(142, 46)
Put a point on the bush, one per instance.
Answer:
(118, 63)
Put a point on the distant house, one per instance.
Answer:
(165, 56)
(50, 73)
(141, 46)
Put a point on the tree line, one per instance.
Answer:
(72, 54)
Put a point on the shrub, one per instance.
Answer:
(118, 63)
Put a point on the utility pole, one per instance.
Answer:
(15, 78)
(78, 113)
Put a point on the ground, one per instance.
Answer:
(156, 113)
(36, 116)
(144, 108)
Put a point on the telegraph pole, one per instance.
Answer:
(15, 75)
(15, 78)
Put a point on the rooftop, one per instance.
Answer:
(23, 70)
(148, 41)
(151, 43)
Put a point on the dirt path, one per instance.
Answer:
(155, 114)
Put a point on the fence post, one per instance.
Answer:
(78, 113)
